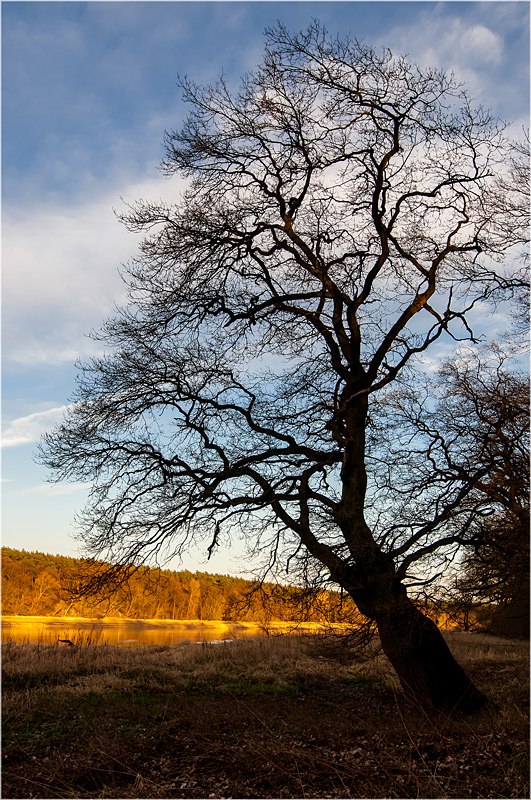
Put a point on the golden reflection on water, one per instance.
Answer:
(48, 630)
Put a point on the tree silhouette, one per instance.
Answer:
(335, 225)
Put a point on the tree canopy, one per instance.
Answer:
(337, 222)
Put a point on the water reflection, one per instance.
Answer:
(48, 630)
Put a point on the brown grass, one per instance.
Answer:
(267, 717)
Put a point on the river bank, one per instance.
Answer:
(265, 717)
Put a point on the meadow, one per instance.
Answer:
(270, 717)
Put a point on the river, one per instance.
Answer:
(128, 633)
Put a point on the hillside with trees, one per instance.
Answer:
(39, 584)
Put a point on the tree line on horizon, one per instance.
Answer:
(39, 584)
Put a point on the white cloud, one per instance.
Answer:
(481, 44)
(60, 271)
(25, 430)
(54, 489)
(470, 50)
(440, 41)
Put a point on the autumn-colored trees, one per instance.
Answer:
(37, 584)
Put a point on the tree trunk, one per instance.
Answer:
(423, 662)
(413, 644)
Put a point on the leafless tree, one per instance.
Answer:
(512, 191)
(486, 406)
(334, 227)
(467, 429)
(493, 586)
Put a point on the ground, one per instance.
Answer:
(263, 718)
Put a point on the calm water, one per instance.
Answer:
(48, 630)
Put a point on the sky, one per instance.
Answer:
(88, 90)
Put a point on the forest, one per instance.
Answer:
(39, 584)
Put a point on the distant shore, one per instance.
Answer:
(180, 623)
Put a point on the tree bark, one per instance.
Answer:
(414, 645)
(427, 670)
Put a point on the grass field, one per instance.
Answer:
(275, 716)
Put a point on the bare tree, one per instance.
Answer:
(513, 194)
(334, 227)
(467, 429)
(510, 194)
(485, 412)
(493, 586)
(486, 407)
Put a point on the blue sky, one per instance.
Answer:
(87, 92)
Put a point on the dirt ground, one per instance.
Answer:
(253, 719)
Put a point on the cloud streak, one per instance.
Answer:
(54, 489)
(61, 273)
(26, 430)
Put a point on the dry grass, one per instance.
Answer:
(267, 717)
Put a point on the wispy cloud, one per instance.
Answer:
(25, 430)
(54, 489)
(485, 54)
(61, 276)
(467, 46)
